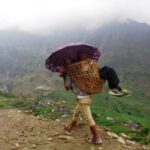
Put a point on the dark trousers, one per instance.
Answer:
(109, 74)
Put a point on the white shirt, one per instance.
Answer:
(75, 89)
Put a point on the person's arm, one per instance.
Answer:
(67, 82)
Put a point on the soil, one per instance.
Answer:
(22, 131)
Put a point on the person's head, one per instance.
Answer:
(62, 71)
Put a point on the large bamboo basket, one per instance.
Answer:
(85, 75)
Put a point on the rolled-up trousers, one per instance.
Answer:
(83, 108)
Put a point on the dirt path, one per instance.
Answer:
(22, 131)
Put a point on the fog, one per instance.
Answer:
(48, 16)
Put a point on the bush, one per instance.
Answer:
(42, 111)
(142, 136)
(21, 103)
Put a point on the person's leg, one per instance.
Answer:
(86, 112)
(95, 133)
(109, 74)
(75, 118)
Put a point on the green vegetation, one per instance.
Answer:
(121, 109)
(135, 108)
(12, 101)
(142, 136)
(52, 109)
(22, 70)
(44, 111)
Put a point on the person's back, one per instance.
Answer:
(86, 76)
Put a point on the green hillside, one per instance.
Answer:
(122, 109)
(124, 46)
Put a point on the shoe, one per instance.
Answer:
(115, 92)
(126, 92)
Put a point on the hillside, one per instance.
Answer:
(122, 120)
(124, 46)
(22, 131)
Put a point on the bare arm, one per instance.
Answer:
(67, 82)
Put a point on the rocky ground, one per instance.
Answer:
(22, 131)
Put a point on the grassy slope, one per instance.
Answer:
(12, 101)
(135, 108)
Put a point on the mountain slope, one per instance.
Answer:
(124, 46)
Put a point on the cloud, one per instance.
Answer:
(51, 15)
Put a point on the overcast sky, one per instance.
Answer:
(39, 16)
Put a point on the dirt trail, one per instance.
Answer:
(22, 131)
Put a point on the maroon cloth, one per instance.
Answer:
(70, 52)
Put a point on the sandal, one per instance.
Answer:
(98, 141)
(67, 128)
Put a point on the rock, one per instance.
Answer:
(110, 119)
(68, 133)
(30, 128)
(33, 146)
(121, 140)
(106, 129)
(53, 110)
(128, 142)
(3, 89)
(57, 120)
(49, 139)
(63, 101)
(45, 103)
(144, 147)
(134, 130)
(25, 148)
(40, 117)
(80, 118)
(56, 134)
(28, 111)
(9, 116)
(21, 133)
(17, 145)
(131, 124)
(124, 135)
(60, 108)
(113, 135)
(43, 87)
(65, 137)
(128, 147)
(64, 115)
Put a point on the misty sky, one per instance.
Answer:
(40, 16)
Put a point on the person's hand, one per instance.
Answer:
(66, 87)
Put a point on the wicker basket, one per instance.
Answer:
(85, 74)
